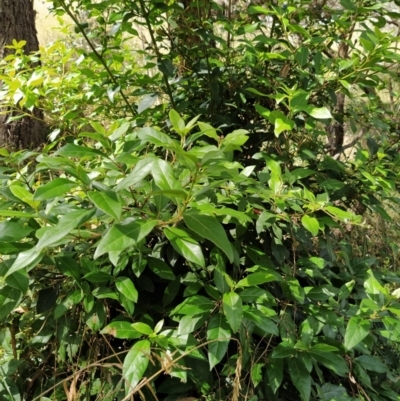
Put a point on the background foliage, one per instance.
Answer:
(195, 226)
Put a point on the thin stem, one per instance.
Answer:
(157, 51)
(98, 55)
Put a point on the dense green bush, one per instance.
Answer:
(185, 234)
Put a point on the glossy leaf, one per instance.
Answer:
(194, 305)
(135, 364)
(332, 361)
(256, 279)
(139, 173)
(218, 332)
(189, 323)
(185, 245)
(108, 202)
(51, 235)
(25, 260)
(209, 228)
(274, 371)
(96, 318)
(13, 231)
(310, 224)
(77, 151)
(177, 122)
(164, 176)
(126, 287)
(156, 137)
(18, 280)
(53, 189)
(160, 268)
(267, 326)
(233, 310)
(123, 236)
(24, 195)
(357, 329)
(9, 300)
(142, 328)
(97, 277)
(301, 379)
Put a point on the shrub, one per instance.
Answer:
(196, 246)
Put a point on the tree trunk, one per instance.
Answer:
(17, 21)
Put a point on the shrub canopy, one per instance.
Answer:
(185, 233)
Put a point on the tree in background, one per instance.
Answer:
(17, 21)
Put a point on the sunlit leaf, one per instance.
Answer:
(135, 364)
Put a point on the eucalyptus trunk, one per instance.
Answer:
(17, 21)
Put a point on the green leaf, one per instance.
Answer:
(46, 299)
(332, 392)
(9, 299)
(12, 231)
(25, 260)
(295, 289)
(51, 235)
(17, 213)
(177, 122)
(281, 122)
(257, 278)
(372, 363)
(164, 176)
(139, 173)
(77, 151)
(171, 291)
(148, 134)
(12, 248)
(233, 310)
(267, 326)
(311, 224)
(126, 287)
(24, 195)
(147, 101)
(53, 189)
(357, 329)
(135, 364)
(160, 268)
(343, 215)
(275, 373)
(123, 236)
(209, 228)
(332, 361)
(222, 280)
(217, 330)
(208, 130)
(189, 323)
(321, 113)
(283, 350)
(234, 140)
(104, 293)
(300, 378)
(302, 56)
(256, 373)
(194, 305)
(374, 288)
(19, 280)
(96, 317)
(185, 245)
(108, 202)
(143, 328)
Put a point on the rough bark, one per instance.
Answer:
(17, 21)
